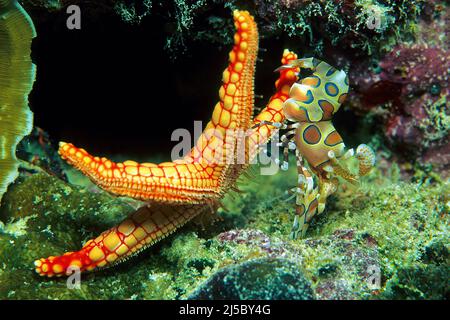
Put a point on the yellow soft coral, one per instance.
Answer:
(17, 74)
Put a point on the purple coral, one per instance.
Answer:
(412, 89)
(420, 121)
(417, 68)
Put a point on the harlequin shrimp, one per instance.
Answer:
(319, 148)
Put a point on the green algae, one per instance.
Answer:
(436, 125)
(134, 11)
(368, 26)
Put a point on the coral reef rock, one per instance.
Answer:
(268, 279)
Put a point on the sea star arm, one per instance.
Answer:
(262, 133)
(142, 229)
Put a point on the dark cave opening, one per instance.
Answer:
(114, 89)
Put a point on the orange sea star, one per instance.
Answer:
(178, 191)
